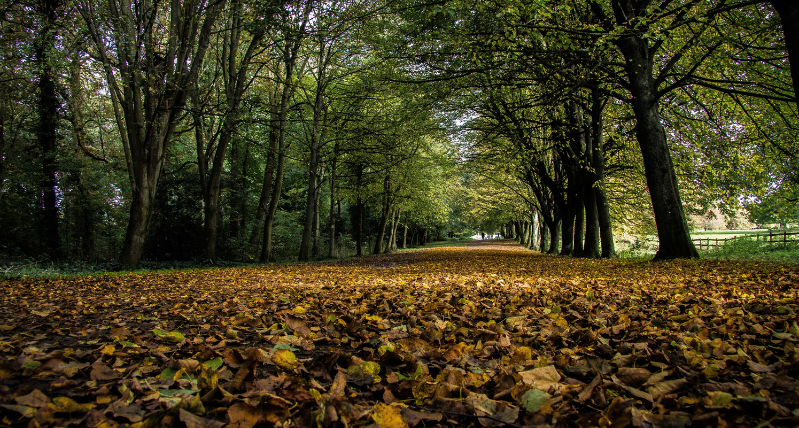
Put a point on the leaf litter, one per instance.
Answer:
(480, 336)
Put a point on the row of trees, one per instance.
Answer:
(228, 129)
(577, 108)
(206, 128)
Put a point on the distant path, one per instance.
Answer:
(408, 257)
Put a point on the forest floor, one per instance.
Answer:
(487, 334)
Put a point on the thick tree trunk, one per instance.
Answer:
(46, 133)
(591, 249)
(675, 240)
(789, 16)
(554, 237)
(139, 225)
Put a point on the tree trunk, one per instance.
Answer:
(405, 232)
(331, 229)
(266, 246)
(598, 162)
(317, 205)
(789, 16)
(46, 131)
(543, 235)
(567, 230)
(534, 227)
(672, 227)
(579, 222)
(136, 235)
(315, 145)
(358, 220)
(554, 237)
(269, 172)
(381, 230)
(235, 188)
(591, 247)
(392, 236)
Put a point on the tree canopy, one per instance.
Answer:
(231, 130)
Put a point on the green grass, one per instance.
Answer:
(721, 234)
(750, 249)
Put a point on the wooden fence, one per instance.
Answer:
(772, 238)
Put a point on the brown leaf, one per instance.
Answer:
(194, 421)
(586, 393)
(35, 399)
(297, 325)
(666, 387)
(102, 372)
(243, 415)
(632, 391)
(634, 377)
(338, 387)
(541, 378)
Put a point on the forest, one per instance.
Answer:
(229, 130)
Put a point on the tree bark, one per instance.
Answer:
(672, 227)
(358, 220)
(554, 237)
(331, 244)
(598, 162)
(314, 147)
(789, 16)
(269, 171)
(405, 232)
(579, 220)
(317, 206)
(381, 230)
(266, 246)
(46, 131)
(567, 228)
(591, 248)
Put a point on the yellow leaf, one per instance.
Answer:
(388, 416)
(285, 359)
(108, 350)
(68, 405)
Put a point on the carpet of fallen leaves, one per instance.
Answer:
(487, 335)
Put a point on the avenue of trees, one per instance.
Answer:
(302, 129)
